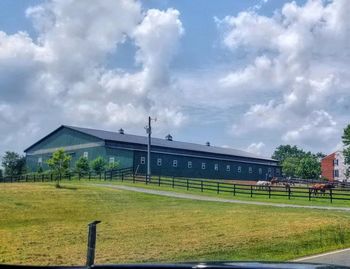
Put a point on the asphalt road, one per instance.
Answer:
(338, 257)
(216, 199)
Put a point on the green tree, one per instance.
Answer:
(290, 166)
(98, 165)
(346, 141)
(82, 165)
(286, 151)
(59, 162)
(113, 165)
(309, 167)
(13, 163)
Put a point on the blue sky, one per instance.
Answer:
(245, 74)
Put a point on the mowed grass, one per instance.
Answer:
(40, 224)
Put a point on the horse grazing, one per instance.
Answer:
(321, 188)
(274, 181)
(262, 185)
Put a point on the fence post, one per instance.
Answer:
(234, 189)
(89, 175)
(60, 176)
(79, 175)
(251, 190)
(159, 180)
(105, 175)
(269, 192)
(111, 175)
(122, 176)
(218, 188)
(42, 177)
(187, 184)
(173, 183)
(34, 177)
(201, 185)
(331, 195)
(309, 194)
(90, 257)
(289, 192)
(133, 178)
(51, 176)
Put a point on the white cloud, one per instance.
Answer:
(256, 148)
(299, 55)
(62, 76)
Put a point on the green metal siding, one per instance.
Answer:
(123, 157)
(182, 170)
(64, 137)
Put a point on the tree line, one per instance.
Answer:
(296, 162)
(59, 163)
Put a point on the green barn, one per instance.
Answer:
(168, 157)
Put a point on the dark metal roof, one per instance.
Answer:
(137, 139)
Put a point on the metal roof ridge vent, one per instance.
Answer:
(121, 131)
(208, 143)
(169, 137)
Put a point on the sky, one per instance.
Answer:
(250, 75)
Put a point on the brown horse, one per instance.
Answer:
(321, 188)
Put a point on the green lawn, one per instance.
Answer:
(40, 224)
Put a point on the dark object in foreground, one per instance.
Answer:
(212, 265)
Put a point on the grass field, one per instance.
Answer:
(40, 224)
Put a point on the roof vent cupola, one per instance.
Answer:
(121, 131)
(169, 137)
(208, 143)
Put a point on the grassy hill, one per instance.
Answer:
(40, 224)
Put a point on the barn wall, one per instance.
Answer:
(167, 169)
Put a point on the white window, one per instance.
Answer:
(86, 154)
(250, 170)
(189, 164)
(40, 160)
(228, 168)
(174, 163)
(278, 171)
(143, 160)
(216, 167)
(159, 162)
(260, 171)
(203, 165)
(111, 159)
(239, 169)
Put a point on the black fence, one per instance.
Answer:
(46, 177)
(279, 190)
(340, 192)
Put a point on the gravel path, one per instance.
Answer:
(215, 199)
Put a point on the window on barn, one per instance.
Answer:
(159, 162)
(203, 165)
(260, 171)
(143, 160)
(228, 168)
(86, 154)
(250, 170)
(239, 169)
(269, 170)
(335, 162)
(278, 171)
(111, 160)
(174, 163)
(189, 164)
(40, 160)
(216, 167)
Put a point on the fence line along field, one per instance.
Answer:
(42, 224)
(283, 190)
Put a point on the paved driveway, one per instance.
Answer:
(216, 199)
(338, 257)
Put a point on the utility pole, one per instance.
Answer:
(149, 132)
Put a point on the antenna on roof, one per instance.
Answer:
(207, 143)
(121, 131)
